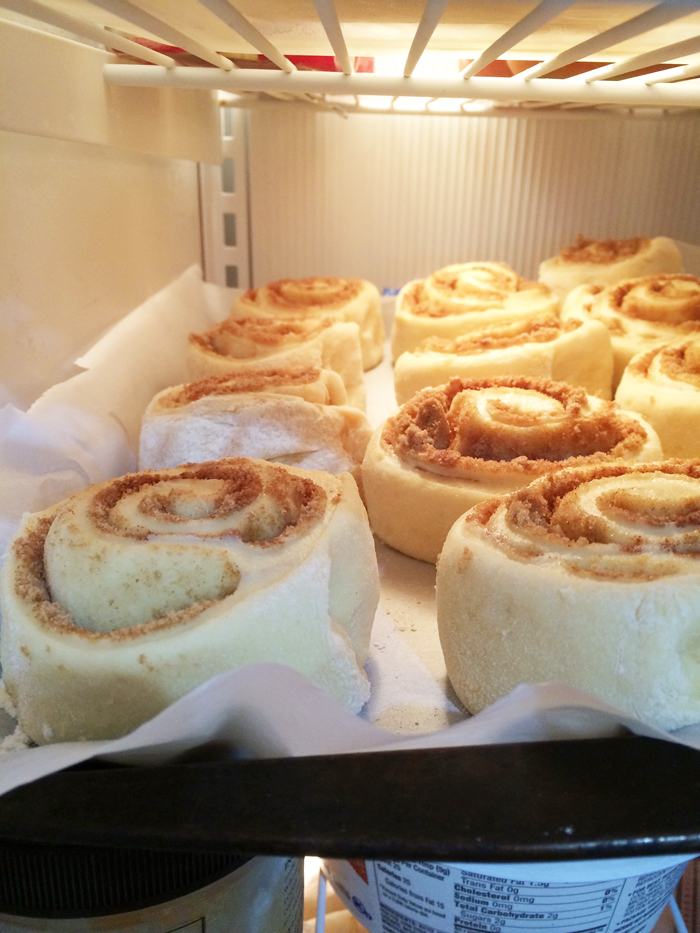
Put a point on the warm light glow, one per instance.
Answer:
(447, 104)
(345, 100)
(391, 65)
(312, 866)
(430, 65)
(410, 103)
(436, 65)
(477, 106)
(375, 103)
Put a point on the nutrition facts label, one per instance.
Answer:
(292, 896)
(427, 897)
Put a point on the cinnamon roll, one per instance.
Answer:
(283, 416)
(576, 351)
(604, 262)
(121, 599)
(251, 344)
(461, 298)
(453, 446)
(342, 299)
(589, 576)
(640, 313)
(663, 385)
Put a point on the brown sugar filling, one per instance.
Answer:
(663, 299)
(481, 296)
(603, 251)
(300, 501)
(430, 431)
(537, 508)
(240, 338)
(682, 363)
(31, 587)
(541, 329)
(235, 383)
(311, 293)
(242, 481)
(679, 363)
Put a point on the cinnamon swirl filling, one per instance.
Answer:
(504, 424)
(289, 346)
(622, 513)
(464, 297)
(343, 299)
(602, 263)
(123, 598)
(299, 295)
(576, 351)
(672, 300)
(309, 382)
(663, 385)
(252, 337)
(455, 445)
(143, 546)
(640, 313)
(603, 251)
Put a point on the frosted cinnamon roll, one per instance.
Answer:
(640, 313)
(576, 351)
(663, 385)
(121, 599)
(588, 576)
(250, 344)
(284, 416)
(460, 298)
(604, 262)
(453, 446)
(342, 299)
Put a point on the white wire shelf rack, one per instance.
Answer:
(433, 56)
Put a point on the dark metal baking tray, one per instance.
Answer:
(534, 801)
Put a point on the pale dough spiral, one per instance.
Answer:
(341, 298)
(576, 351)
(588, 576)
(452, 446)
(464, 297)
(663, 385)
(640, 313)
(282, 416)
(247, 345)
(121, 599)
(604, 262)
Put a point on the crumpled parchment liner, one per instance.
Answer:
(84, 431)
(271, 711)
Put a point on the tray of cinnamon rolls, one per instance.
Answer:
(507, 468)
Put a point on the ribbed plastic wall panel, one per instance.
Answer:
(394, 198)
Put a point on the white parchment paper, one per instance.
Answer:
(85, 430)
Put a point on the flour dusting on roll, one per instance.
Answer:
(453, 446)
(124, 597)
(282, 416)
(604, 262)
(340, 298)
(588, 576)
(640, 313)
(663, 385)
(260, 343)
(576, 351)
(464, 297)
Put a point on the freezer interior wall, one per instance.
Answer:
(102, 200)
(99, 201)
(394, 197)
